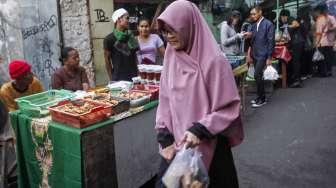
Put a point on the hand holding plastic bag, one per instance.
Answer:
(187, 170)
(250, 72)
(270, 73)
(318, 56)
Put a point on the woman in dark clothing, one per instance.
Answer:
(70, 76)
(296, 46)
(199, 103)
(120, 49)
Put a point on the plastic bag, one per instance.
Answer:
(270, 73)
(250, 72)
(187, 170)
(318, 56)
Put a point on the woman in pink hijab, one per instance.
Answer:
(199, 103)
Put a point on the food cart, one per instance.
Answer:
(118, 151)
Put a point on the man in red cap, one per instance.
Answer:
(23, 83)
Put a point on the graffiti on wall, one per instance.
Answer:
(41, 42)
(43, 27)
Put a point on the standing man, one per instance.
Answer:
(260, 53)
(120, 49)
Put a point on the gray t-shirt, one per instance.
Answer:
(149, 48)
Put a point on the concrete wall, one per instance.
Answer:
(101, 25)
(41, 37)
(76, 32)
(10, 36)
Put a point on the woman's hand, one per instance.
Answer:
(190, 140)
(168, 153)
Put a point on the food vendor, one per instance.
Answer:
(23, 83)
(71, 76)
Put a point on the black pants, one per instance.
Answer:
(259, 66)
(295, 64)
(222, 171)
(307, 63)
(324, 67)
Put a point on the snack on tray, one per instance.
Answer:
(132, 95)
(76, 108)
(104, 98)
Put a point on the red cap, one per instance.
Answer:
(18, 68)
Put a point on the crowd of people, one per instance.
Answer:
(194, 66)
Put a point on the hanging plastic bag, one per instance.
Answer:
(270, 73)
(187, 170)
(318, 56)
(250, 72)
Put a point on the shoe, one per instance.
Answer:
(254, 101)
(260, 103)
(295, 85)
(309, 76)
(303, 78)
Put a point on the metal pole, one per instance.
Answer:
(277, 18)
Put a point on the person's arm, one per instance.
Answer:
(160, 45)
(224, 106)
(108, 43)
(332, 21)
(227, 40)
(270, 43)
(56, 82)
(162, 50)
(85, 80)
(319, 32)
(108, 63)
(8, 100)
(163, 121)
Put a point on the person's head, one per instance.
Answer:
(144, 27)
(234, 18)
(120, 18)
(284, 15)
(70, 57)
(256, 13)
(173, 37)
(20, 72)
(320, 9)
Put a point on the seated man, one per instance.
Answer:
(23, 83)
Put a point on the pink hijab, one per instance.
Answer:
(197, 85)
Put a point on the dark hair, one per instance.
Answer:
(234, 14)
(321, 8)
(144, 19)
(284, 12)
(257, 8)
(65, 53)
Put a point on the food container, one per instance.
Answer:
(142, 73)
(36, 105)
(153, 90)
(157, 75)
(96, 113)
(118, 104)
(150, 75)
(137, 98)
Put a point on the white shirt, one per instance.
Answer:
(259, 23)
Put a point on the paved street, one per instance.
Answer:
(291, 142)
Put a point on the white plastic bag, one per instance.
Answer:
(318, 56)
(250, 72)
(186, 170)
(270, 73)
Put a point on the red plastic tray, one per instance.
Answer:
(98, 113)
(152, 89)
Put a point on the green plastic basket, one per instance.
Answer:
(36, 105)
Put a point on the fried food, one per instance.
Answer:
(76, 109)
(132, 95)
